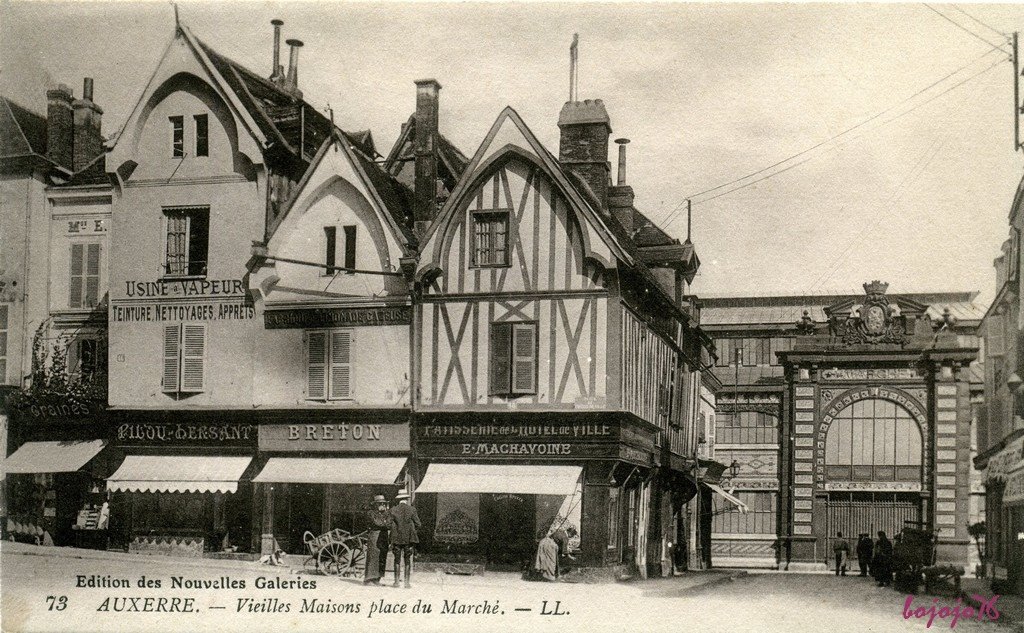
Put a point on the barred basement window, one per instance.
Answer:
(85, 276)
(184, 369)
(513, 358)
(329, 365)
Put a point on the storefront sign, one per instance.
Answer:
(337, 317)
(178, 288)
(343, 437)
(874, 486)
(532, 431)
(1006, 460)
(186, 433)
(67, 410)
(156, 313)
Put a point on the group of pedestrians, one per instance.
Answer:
(874, 558)
(395, 529)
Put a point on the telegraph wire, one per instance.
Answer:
(993, 29)
(671, 217)
(674, 212)
(963, 28)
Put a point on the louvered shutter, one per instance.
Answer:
(341, 365)
(193, 358)
(92, 275)
(501, 358)
(172, 344)
(524, 360)
(316, 365)
(77, 274)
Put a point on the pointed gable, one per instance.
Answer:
(511, 142)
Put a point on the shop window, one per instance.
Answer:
(184, 368)
(4, 314)
(84, 283)
(329, 365)
(513, 358)
(87, 357)
(202, 135)
(188, 241)
(490, 238)
(331, 249)
(178, 137)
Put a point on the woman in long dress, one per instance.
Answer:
(546, 561)
(377, 541)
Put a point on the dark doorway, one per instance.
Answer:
(507, 525)
(306, 506)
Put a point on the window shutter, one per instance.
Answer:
(172, 343)
(316, 365)
(524, 361)
(501, 358)
(193, 358)
(92, 275)
(341, 365)
(77, 273)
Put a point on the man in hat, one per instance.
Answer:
(864, 551)
(405, 525)
(377, 548)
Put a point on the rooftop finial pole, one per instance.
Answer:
(689, 217)
(574, 56)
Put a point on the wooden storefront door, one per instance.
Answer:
(507, 526)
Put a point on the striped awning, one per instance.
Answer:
(718, 490)
(178, 473)
(526, 479)
(331, 470)
(52, 457)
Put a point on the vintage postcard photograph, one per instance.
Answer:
(511, 316)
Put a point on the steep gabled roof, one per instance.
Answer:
(22, 131)
(452, 161)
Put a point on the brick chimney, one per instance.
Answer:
(88, 117)
(60, 124)
(583, 146)
(620, 196)
(425, 147)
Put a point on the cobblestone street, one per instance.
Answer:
(754, 603)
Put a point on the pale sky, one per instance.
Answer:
(707, 94)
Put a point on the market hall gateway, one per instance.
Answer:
(860, 407)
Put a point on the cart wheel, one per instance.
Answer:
(333, 558)
(357, 559)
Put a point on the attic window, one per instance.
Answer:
(490, 238)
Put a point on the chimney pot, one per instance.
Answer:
(583, 145)
(87, 89)
(425, 148)
(622, 142)
(60, 124)
(293, 65)
(275, 73)
(87, 135)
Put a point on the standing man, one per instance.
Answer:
(405, 525)
(841, 549)
(377, 548)
(864, 547)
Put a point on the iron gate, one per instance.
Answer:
(854, 513)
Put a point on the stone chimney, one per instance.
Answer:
(60, 125)
(583, 146)
(277, 72)
(88, 120)
(425, 147)
(292, 81)
(620, 196)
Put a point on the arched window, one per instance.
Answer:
(873, 439)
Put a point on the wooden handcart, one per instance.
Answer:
(336, 552)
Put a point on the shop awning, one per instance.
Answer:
(742, 507)
(178, 473)
(512, 479)
(331, 470)
(52, 457)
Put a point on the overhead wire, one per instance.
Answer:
(665, 223)
(963, 28)
(674, 212)
(991, 28)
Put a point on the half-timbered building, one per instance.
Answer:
(557, 358)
